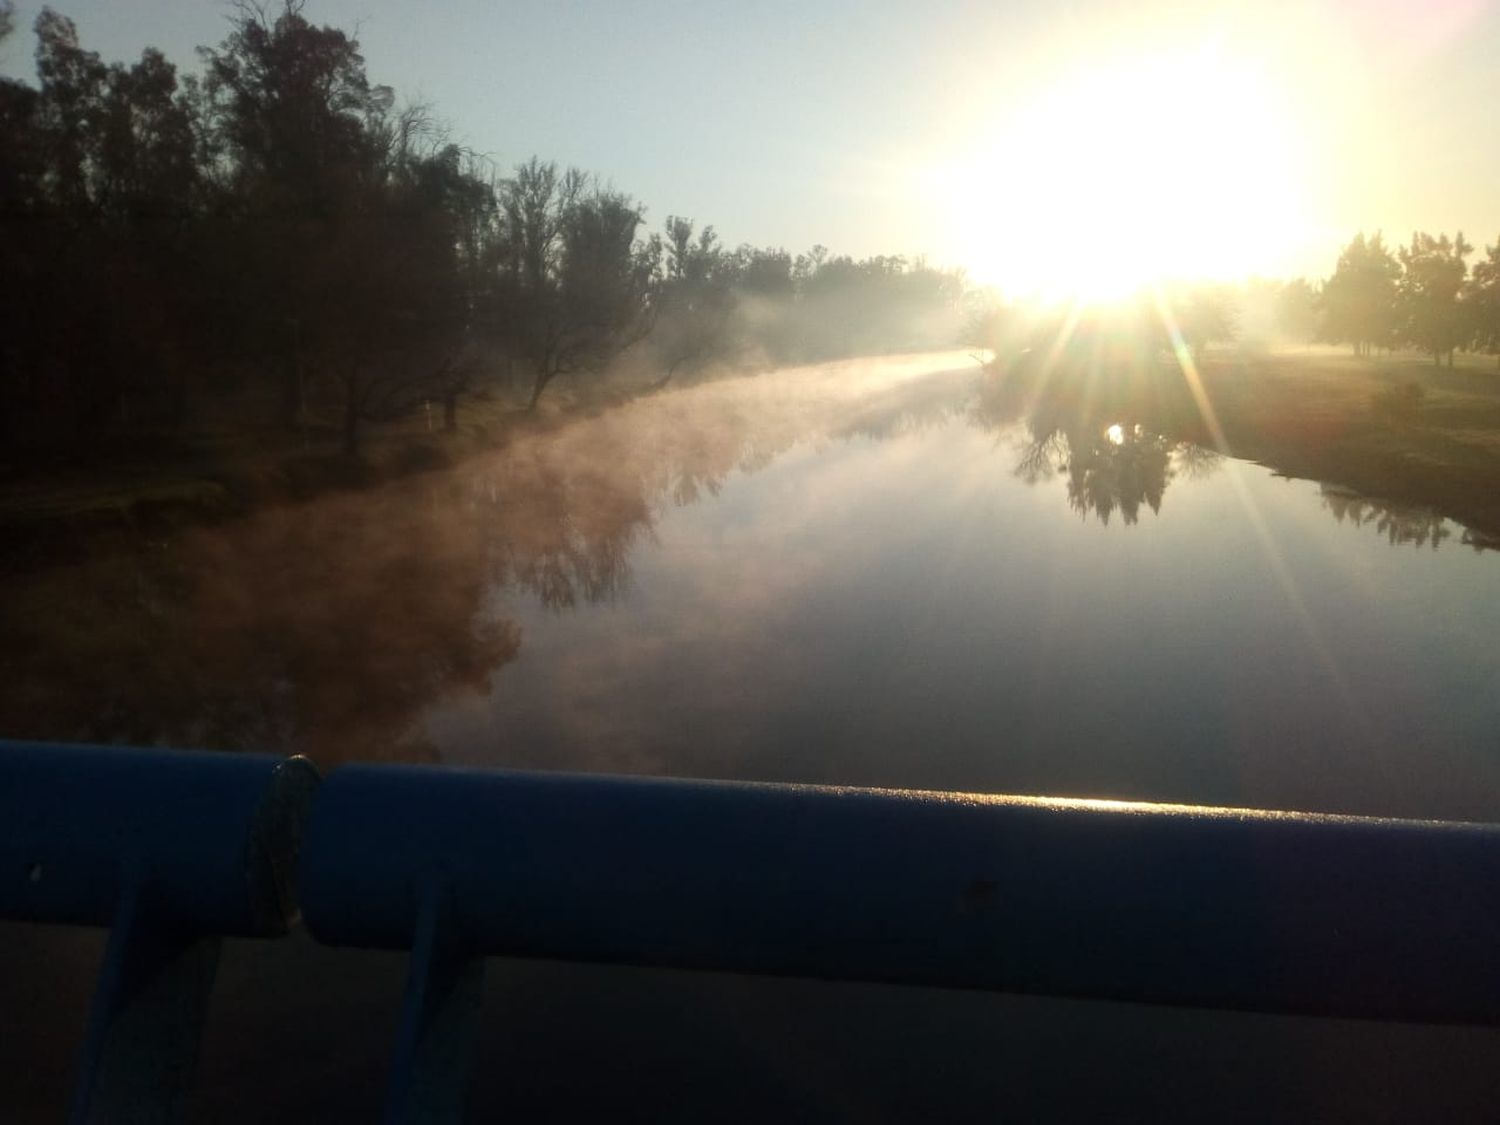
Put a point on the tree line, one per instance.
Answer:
(279, 230)
(1423, 295)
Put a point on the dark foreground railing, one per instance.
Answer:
(1322, 915)
(172, 851)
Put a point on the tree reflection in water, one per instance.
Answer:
(1085, 428)
(1401, 524)
(330, 627)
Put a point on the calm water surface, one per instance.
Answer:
(869, 573)
(904, 608)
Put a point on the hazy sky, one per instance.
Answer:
(1262, 134)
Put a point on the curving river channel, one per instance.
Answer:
(878, 572)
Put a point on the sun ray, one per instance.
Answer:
(1189, 368)
(1274, 558)
(1052, 360)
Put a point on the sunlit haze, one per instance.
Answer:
(1159, 167)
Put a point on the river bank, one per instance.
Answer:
(120, 496)
(1390, 429)
(1393, 429)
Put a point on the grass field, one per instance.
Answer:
(1395, 428)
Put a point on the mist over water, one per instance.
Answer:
(864, 573)
(905, 609)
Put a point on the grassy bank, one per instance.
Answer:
(1394, 428)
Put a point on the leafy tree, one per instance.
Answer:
(1360, 299)
(72, 97)
(765, 273)
(304, 136)
(449, 197)
(606, 278)
(573, 282)
(1298, 310)
(695, 299)
(1431, 283)
(1482, 300)
(295, 109)
(22, 221)
(146, 166)
(524, 310)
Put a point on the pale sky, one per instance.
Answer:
(1227, 138)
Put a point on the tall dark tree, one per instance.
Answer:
(573, 281)
(1433, 270)
(299, 123)
(72, 106)
(695, 299)
(147, 172)
(24, 235)
(1482, 301)
(1360, 299)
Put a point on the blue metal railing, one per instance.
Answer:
(172, 851)
(1323, 915)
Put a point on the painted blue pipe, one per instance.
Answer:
(172, 850)
(209, 838)
(1328, 915)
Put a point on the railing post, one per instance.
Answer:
(140, 1048)
(439, 1020)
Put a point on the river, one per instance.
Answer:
(873, 572)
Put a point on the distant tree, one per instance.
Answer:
(72, 99)
(1429, 292)
(695, 299)
(102, 167)
(299, 126)
(806, 266)
(818, 305)
(394, 293)
(1298, 311)
(606, 279)
(22, 197)
(523, 310)
(295, 106)
(573, 284)
(1360, 299)
(147, 173)
(453, 193)
(765, 272)
(1482, 301)
(1202, 314)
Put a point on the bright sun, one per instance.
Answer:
(1176, 167)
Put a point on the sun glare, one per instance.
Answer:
(1176, 167)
